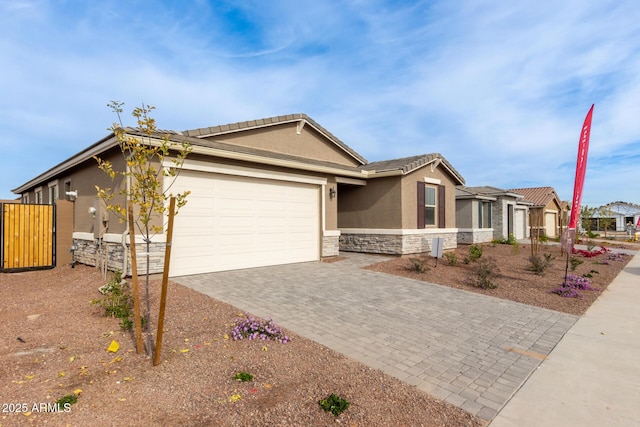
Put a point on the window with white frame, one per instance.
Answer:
(53, 192)
(429, 205)
(37, 196)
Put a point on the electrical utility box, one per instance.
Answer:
(437, 246)
(100, 218)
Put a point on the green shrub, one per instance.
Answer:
(486, 273)
(418, 264)
(117, 301)
(511, 240)
(68, 399)
(451, 257)
(575, 262)
(475, 252)
(334, 404)
(243, 376)
(539, 264)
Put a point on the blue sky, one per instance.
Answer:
(499, 88)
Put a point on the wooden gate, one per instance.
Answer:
(27, 236)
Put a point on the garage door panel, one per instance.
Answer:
(232, 222)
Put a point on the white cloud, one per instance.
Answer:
(500, 89)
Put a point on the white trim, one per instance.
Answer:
(331, 233)
(432, 180)
(352, 181)
(323, 207)
(117, 238)
(199, 165)
(550, 211)
(397, 232)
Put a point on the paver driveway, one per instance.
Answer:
(468, 349)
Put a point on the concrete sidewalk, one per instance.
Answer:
(592, 377)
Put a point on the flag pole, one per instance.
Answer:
(569, 235)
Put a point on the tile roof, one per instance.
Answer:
(409, 164)
(223, 146)
(539, 196)
(196, 138)
(271, 121)
(467, 193)
(493, 191)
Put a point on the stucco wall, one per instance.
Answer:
(375, 205)
(283, 138)
(410, 198)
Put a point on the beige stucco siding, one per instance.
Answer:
(376, 205)
(410, 196)
(84, 179)
(284, 139)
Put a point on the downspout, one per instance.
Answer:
(125, 233)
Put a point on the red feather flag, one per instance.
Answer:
(581, 168)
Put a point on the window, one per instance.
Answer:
(25, 198)
(53, 192)
(484, 214)
(431, 205)
(38, 196)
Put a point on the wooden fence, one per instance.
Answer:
(27, 236)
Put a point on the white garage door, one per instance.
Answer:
(520, 224)
(233, 222)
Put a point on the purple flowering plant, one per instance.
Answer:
(573, 286)
(256, 329)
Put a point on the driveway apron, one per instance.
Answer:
(470, 350)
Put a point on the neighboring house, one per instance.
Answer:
(486, 213)
(620, 216)
(546, 212)
(264, 192)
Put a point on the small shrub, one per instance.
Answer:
(418, 264)
(69, 399)
(486, 273)
(243, 376)
(475, 252)
(539, 264)
(590, 274)
(117, 301)
(511, 240)
(575, 262)
(253, 329)
(334, 404)
(466, 260)
(543, 238)
(451, 257)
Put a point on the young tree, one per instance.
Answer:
(144, 149)
(606, 218)
(586, 214)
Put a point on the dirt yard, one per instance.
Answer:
(516, 281)
(54, 343)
